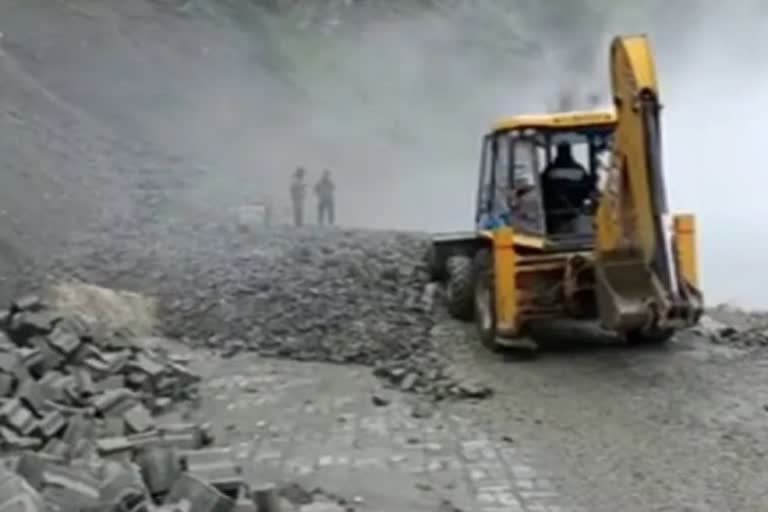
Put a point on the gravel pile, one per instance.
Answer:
(331, 295)
(726, 325)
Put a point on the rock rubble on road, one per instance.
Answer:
(727, 325)
(331, 295)
(78, 430)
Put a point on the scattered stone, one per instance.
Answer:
(380, 400)
(233, 347)
(6, 385)
(18, 495)
(28, 302)
(201, 496)
(448, 506)
(322, 506)
(52, 424)
(422, 411)
(138, 419)
(77, 415)
(474, 389)
(215, 466)
(18, 417)
(409, 382)
(70, 486)
(296, 494)
(725, 325)
(266, 498)
(160, 467)
(64, 341)
(713, 330)
(26, 324)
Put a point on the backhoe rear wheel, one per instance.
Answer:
(459, 287)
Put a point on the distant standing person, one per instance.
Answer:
(324, 190)
(298, 193)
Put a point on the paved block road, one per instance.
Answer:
(317, 424)
(589, 428)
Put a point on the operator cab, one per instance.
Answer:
(542, 174)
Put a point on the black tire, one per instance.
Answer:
(485, 308)
(484, 299)
(655, 337)
(459, 289)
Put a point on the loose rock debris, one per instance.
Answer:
(315, 500)
(725, 325)
(339, 296)
(77, 428)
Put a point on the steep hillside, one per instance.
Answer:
(245, 91)
(55, 163)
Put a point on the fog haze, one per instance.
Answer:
(394, 100)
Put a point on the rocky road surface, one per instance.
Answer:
(587, 427)
(675, 428)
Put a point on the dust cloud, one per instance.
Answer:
(399, 117)
(395, 102)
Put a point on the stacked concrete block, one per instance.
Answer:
(78, 430)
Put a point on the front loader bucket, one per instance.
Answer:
(625, 290)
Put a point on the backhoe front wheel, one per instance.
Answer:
(459, 287)
(485, 310)
(485, 300)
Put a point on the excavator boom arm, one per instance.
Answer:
(639, 283)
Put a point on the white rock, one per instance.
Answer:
(708, 326)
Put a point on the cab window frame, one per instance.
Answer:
(485, 182)
(502, 172)
(535, 168)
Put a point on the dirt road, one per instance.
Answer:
(598, 429)
(677, 428)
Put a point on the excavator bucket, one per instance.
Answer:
(639, 282)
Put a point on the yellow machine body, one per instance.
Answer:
(637, 272)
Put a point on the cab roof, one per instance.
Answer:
(562, 120)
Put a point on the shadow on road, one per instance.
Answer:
(567, 337)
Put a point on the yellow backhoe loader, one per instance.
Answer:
(572, 222)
